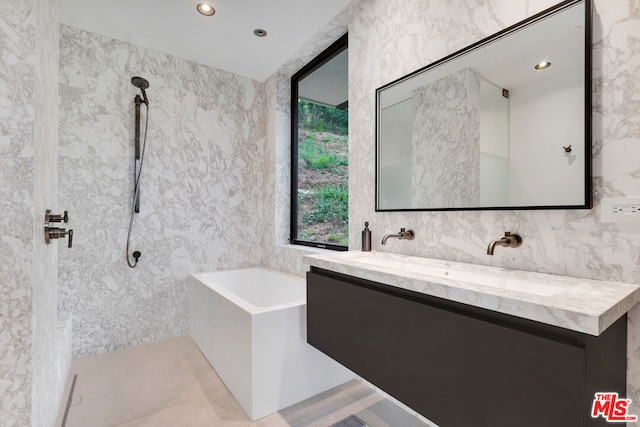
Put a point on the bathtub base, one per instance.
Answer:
(263, 358)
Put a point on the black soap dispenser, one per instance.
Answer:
(366, 238)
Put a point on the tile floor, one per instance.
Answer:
(170, 383)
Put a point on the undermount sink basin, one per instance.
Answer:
(426, 267)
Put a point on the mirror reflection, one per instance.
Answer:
(502, 124)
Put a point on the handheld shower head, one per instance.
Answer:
(141, 84)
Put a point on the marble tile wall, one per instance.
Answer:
(47, 388)
(201, 188)
(390, 39)
(29, 390)
(448, 137)
(17, 117)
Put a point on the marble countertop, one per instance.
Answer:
(583, 305)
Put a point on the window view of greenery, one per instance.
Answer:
(323, 207)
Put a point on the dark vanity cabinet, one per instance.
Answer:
(460, 365)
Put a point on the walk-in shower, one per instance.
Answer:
(141, 84)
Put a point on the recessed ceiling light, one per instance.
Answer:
(260, 32)
(543, 65)
(205, 9)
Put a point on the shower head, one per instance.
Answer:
(141, 84)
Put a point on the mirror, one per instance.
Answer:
(493, 126)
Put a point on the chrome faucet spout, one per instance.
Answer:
(492, 245)
(386, 236)
(402, 235)
(508, 241)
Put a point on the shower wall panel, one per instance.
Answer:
(30, 381)
(17, 119)
(200, 190)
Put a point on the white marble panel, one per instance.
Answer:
(446, 137)
(17, 121)
(64, 335)
(46, 388)
(29, 394)
(201, 186)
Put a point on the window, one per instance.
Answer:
(319, 161)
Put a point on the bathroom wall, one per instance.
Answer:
(30, 389)
(201, 188)
(277, 253)
(390, 39)
(542, 144)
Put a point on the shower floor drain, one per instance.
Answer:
(350, 421)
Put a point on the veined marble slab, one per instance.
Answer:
(583, 305)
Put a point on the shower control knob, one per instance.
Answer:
(58, 218)
(51, 233)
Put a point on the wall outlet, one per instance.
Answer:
(620, 210)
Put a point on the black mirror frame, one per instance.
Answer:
(588, 187)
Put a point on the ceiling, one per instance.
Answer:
(224, 40)
(508, 61)
(329, 84)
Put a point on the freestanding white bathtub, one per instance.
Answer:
(251, 326)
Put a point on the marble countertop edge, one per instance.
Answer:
(583, 305)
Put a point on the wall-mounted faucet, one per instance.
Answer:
(508, 241)
(402, 235)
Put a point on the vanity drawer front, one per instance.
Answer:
(455, 369)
